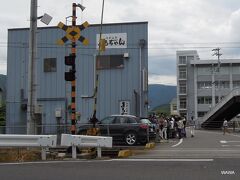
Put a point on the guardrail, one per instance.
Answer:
(85, 141)
(19, 140)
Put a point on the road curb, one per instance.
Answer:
(150, 145)
(124, 153)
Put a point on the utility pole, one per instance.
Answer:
(32, 117)
(32, 101)
(218, 54)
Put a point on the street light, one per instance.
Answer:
(46, 19)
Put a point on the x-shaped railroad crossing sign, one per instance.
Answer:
(73, 33)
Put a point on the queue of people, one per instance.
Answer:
(172, 126)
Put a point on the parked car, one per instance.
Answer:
(123, 128)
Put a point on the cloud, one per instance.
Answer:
(173, 25)
(159, 79)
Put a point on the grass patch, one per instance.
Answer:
(19, 154)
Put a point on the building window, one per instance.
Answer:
(208, 100)
(201, 114)
(204, 70)
(182, 87)
(205, 100)
(223, 84)
(174, 107)
(50, 65)
(183, 102)
(204, 85)
(236, 69)
(182, 60)
(236, 84)
(110, 62)
(182, 73)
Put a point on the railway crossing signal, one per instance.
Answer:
(70, 61)
(73, 33)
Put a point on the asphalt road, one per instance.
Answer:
(205, 144)
(132, 169)
(208, 156)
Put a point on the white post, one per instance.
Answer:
(44, 154)
(74, 152)
(99, 152)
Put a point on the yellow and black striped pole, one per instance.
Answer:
(73, 83)
(73, 34)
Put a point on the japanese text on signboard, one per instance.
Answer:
(114, 40)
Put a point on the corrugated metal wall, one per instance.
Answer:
(54, 92)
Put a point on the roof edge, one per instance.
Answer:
(105, 24)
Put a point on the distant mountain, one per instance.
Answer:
(159, 94)
(165, 109)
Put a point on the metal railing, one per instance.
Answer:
(19, 140)
(85, 141)
(234, 92)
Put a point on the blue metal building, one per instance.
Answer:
(123, 80)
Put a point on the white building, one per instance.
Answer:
(201, 84)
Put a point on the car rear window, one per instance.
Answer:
(107, 120)
(131, 120)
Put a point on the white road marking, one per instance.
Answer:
(225, 145)
(164, 160)
(230, 145)
(212, 132)
(224, 142)
(180, 142)
(53, 162)
(108, 160)
(196, 150)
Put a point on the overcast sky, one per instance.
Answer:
(173, 25)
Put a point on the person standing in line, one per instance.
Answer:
(180, 127)
(184, 120)
(171, 130)
(165, 124)
(192, 126)
(161, 124)
(225, 126)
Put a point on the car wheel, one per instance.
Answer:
(131, 138)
